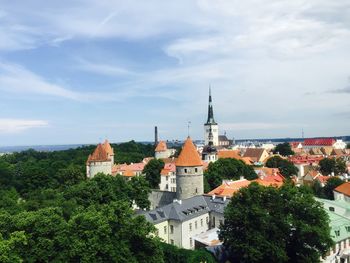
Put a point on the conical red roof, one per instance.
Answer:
(189, 155)
(99, 154)
(161, 147)
(108, 147)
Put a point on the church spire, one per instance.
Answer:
(210, 119)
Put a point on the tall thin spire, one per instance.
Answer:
(210, 119)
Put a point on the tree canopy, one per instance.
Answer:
(286, 167)
(335, 166)
(283, 149)
(152, 172)
(268, 224)
(227, 168)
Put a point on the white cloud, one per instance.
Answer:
(19, 125)
(17, 79)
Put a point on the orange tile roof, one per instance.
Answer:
(189, 155)
(99, 154)
(128, 173)
(343, 188)
(228, 188)
(323, 179)
(108, 147)
(235, 154)
(165, 172)
(229, 154)
(161, 147)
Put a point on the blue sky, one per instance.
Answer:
(81, 71)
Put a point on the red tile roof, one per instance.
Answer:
(319, 142)
(343, 188)
(189, 155)
(99, 155)
(108, 147)
(161, 147)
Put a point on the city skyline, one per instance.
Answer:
(111, 69)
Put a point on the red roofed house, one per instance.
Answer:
(342, 192)
(101, 160)
(318, 142)
(168, 178)
(128, 170)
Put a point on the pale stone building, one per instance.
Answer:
(180, 222)
(168, 178)
(189, 172)
(162, 151)
(101, 161)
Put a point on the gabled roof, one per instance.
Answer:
(161, 147)
(99, 155)
(186, 210)
(319, 142)
(189, 155)
(343, 189)
(254, 153)
(229, 154)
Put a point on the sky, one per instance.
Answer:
(80, 71)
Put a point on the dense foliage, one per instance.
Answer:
(283, 149)
(227, 168)
(152, 172)
(286, 167)
(268, 224)
(174, 254)
(335, 166)
(49, 212)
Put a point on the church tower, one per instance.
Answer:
(189, 172)
(211, 128)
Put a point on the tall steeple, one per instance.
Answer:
(210, 119)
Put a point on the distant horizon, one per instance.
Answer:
(172, 140)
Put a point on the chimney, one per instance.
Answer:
(155, 135)
(213, 197)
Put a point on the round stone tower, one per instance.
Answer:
(189, 172)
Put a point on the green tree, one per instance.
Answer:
(348, 146)
(9, 247)
(286, 167)
(332, 166)
(317, 189)
(139, 191)
(268, 224)
(6, 174)
(331, 184)
(283, 149)
(152, 172)
(228, 168)
(69, 176)
(110, 233)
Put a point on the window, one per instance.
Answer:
(165, 230)
(190, 227)
(196, 170)
(202, 222)
(207, 220)
(166, 186)
(331, 209)
(221, 222)
(191, 242)
(172, 241)
(195, 224)
(171, 229)
(213, 221)
(167, 178)
(185, 171)
(196, 190)
(337, 232)
(347, 228)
